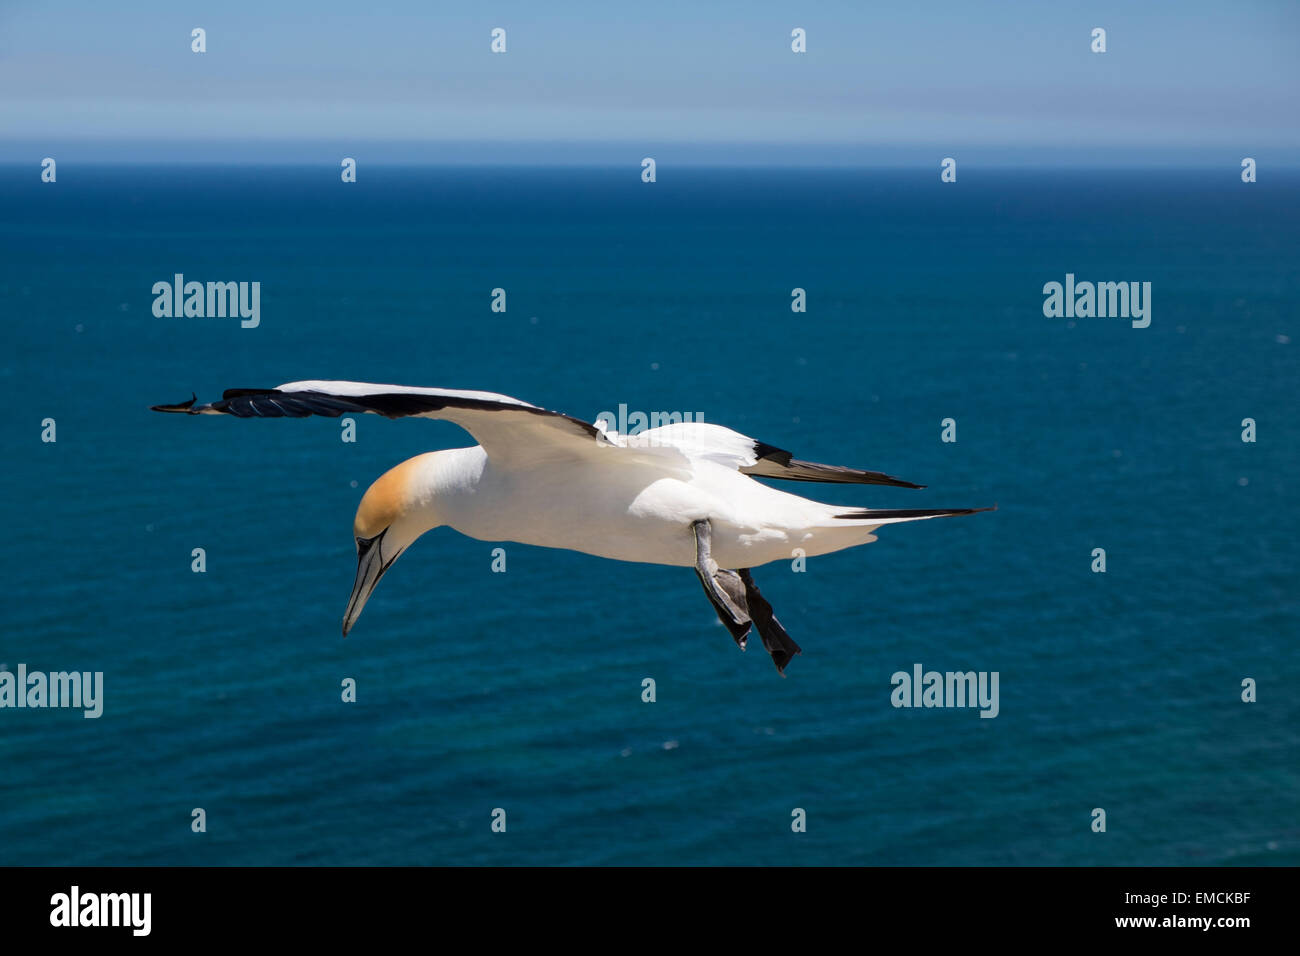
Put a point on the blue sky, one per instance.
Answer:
(880, 78)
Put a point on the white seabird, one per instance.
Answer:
(681, 494)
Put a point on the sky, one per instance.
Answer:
(1178, 80)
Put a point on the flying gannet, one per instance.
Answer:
(681, 494)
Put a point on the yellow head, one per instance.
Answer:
(394, 511)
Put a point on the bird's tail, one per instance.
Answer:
(879, 516)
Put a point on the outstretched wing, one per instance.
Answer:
(700, 441)
(510, 431)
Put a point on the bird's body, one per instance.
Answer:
(682, 494)
(640, 511)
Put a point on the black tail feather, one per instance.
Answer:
(869, 513)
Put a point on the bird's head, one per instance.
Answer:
(393, 513)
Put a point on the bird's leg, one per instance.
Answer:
(725, 589)
(778, 643)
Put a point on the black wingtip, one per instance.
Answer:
(876, 478)
(179, 407)
(880, 478)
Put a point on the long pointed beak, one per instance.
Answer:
(372, 562)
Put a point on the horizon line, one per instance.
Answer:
(316, 152)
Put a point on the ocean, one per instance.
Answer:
(479, 691)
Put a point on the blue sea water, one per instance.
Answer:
(522, 690)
